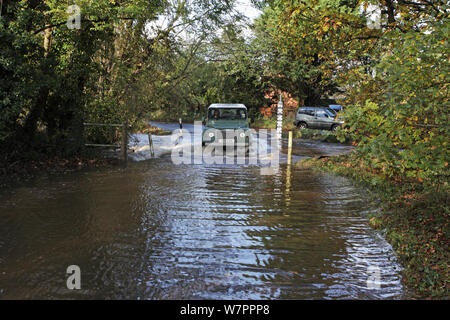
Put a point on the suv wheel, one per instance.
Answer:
(334, 128)
(302, 125)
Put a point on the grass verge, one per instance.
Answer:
(319, 135)
(155, 131)
(143, 127)
(271, 123)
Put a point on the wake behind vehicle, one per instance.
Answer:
(317, 118)
(226, 125)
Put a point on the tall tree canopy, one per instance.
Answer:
(124, 58)
(131, 59)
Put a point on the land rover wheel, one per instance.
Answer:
(334, 128)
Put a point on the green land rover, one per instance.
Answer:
(226, 125)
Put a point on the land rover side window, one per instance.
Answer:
(241, 114)
(215, 114)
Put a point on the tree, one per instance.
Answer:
(114, 67)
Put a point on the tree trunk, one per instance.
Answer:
(47, 40)
(30, 126)
(390, 11)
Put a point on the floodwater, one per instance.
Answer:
(157, 230)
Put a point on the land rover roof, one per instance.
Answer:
(227, 105)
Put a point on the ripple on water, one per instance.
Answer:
(159, 231)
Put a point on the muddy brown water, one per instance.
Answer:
(156, 230)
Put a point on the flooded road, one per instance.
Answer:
(156, 230)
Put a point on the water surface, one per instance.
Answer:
(160, 231)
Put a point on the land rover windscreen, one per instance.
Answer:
(226, 124)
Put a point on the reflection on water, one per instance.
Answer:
(160, 231)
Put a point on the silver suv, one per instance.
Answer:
(317, 118)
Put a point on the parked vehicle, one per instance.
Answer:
(317, 118)
(226, 124)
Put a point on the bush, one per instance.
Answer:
(405, 134)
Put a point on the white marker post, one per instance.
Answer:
(276, 141)
(280, 118)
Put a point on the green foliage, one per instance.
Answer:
(300, 56)
(395, 78)
(406, 133)
(122, 64)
